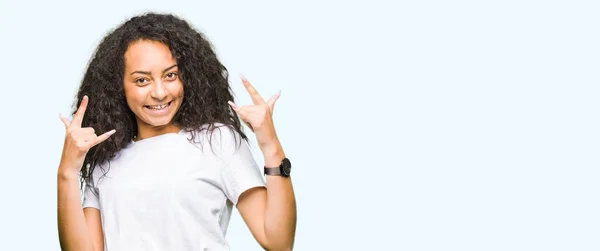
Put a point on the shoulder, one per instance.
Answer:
(97, 173)
(218, 132)
(218, 136)
(108, 167)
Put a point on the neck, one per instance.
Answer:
(147, 131)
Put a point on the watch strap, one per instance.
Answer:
(282, 170)
(273, 171)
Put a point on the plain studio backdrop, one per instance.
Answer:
(411, 125)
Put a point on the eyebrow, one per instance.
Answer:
(148, 73)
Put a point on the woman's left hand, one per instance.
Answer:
(259, 116)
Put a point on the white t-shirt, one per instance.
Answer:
(167, 193)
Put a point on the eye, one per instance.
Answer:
(171, 76)
(141, 81)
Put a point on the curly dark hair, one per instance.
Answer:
(204, 78)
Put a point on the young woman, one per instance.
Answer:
(157, 141)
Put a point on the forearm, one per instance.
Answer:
(280, 212)
(72, 229)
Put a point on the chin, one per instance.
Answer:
(159, 122)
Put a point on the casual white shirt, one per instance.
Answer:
(170, 193)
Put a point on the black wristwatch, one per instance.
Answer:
(283, 169)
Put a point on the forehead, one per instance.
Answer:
(148, 55)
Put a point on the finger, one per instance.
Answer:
(238, 110)
(83, 132)
(245, 117)
(88, 130)
(87, 135)
(80, 112)
(256, 98)
(103, 137)
(250, 115)
(246, 111)
(273, 99)
(65, 121)
(233, 105)
(249, 126)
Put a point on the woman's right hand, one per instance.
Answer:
(78, 141)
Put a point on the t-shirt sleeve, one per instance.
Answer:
(239, 170)
(90, 199)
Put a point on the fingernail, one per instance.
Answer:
(232, 104)
(243, 78)
(112, 132)
(85, 97)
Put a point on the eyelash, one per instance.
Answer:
(137, 81)
(173, 74)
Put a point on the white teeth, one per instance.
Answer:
(158, 107)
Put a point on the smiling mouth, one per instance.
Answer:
(158, 107)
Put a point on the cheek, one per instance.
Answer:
(134, 95)
(178, 89)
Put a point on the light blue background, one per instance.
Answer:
(412, 125)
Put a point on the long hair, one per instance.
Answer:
(204, 78)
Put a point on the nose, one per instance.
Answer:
(159, 91)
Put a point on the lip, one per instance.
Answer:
(159, 111)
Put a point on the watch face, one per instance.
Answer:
(286, 167)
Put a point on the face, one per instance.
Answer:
(152, 86)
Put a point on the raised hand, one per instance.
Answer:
(258, 117)
(78, 140)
